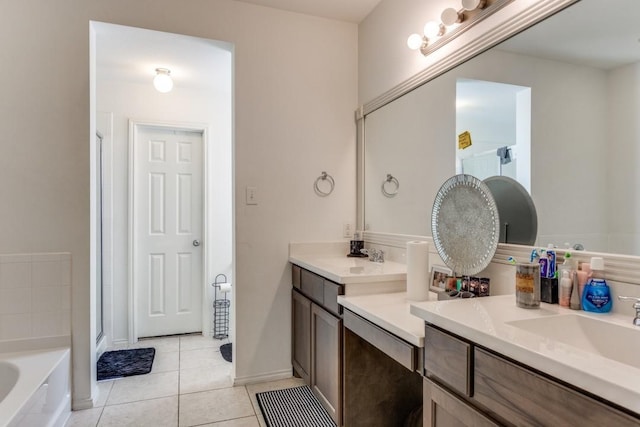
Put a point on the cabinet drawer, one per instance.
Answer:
(295, 276)
(448, 359)
(312, 286)
(400, 351)
(525, 398)
(331, 292)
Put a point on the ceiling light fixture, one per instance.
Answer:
(163, 81)
(451, 22)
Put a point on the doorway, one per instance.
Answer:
(201, 99)
(165, 239)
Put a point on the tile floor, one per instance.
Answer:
(189, 385)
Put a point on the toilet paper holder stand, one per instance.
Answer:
(220, 309)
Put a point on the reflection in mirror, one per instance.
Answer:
(493, 124)
(585, 142)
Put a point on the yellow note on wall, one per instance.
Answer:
(464, 140)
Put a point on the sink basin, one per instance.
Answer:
(610, 340)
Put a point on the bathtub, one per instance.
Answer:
(34, 388)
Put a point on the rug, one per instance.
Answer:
(125, 363)
(293, 407)
(226, 351)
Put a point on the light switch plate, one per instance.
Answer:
(252, 196)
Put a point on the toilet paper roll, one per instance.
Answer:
(225, 287)
(417, 270)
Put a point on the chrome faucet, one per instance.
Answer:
(636, 305)
(375, 255)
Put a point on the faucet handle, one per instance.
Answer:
(636, 306)
(636, 299)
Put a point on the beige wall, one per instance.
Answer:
(295, 92)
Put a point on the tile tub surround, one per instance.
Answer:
(484, 321)
(35, 295)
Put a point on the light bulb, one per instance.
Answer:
(473, 4)
(450, 16)
(432, 29)
(162, 81)
(414, 41)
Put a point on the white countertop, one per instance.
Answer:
(391, 312)
(341, 269)
(483, 321)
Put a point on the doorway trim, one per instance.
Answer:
(134, 126)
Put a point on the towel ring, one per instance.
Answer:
(390, 180)
(324, 177)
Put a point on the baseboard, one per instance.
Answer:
(272, 376)
(80, 404)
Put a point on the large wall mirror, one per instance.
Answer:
(573, 122)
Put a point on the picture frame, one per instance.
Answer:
(439, 278)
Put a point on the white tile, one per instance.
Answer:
(166, 361)
(15, 326)
(193, 342)
(46, 324)
(203, 358)
(238, 422)
(65, 322)
(15, 301)
(10, 258)
(65, 297)
(47, 256)
(214, 406)
(194, 380)
(46, 299)
(141, 387)
(65, 272)
(152, 413)
(15, 275)
(84, 418)
(104, 388)
(45, 273)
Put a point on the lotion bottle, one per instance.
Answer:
(596, 296)
(565, 288)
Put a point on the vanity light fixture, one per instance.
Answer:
(451, 22)
(163, 81)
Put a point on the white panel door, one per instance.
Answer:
(168, 230)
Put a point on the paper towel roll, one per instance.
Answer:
(417, 270)
(225, 287)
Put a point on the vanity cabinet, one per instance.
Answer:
(317, 337)
(467, 385)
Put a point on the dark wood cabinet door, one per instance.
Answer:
(326, 359)
(301, 335)
(443, 409)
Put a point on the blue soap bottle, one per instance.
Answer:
(596, 296)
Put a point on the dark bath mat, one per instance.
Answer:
(293, 407)
(226, 351)
(125, 363)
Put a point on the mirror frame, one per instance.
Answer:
(621, 268)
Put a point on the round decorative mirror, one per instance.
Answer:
(465, 224)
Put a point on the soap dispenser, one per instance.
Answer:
(596, 296)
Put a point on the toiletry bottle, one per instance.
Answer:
(596, 296)
(584, 274)
(565, 287)
(574, 300)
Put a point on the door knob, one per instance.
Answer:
(196, 242)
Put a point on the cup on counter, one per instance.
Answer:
(528, 285)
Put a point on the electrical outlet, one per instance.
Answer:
(347, 229)
(252, 196)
